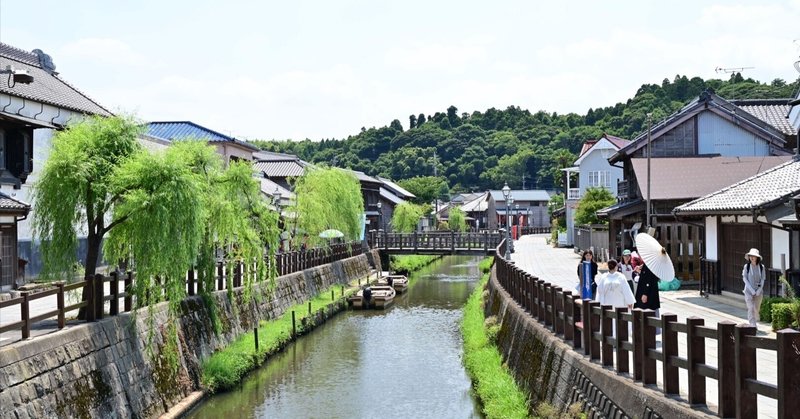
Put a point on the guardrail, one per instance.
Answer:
(96, 298)
(738, 386)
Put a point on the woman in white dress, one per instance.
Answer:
(613, 290)
(626, 268)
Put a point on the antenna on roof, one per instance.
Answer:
(730, 70)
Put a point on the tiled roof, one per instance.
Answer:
(363, 177)
(387, 195)
(268, 188)
(284, 168)
(527, 195)
(617, 141)
(46, 87)
(272, 156)
(181, 130)
(692, 177)
(772, 111)
(396, 188)
(8, 203)
(479, 204)
(762, 190)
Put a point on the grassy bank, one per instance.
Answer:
(225, 369)
(494, 385)
(405, 264)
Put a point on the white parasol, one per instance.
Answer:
(655, 257)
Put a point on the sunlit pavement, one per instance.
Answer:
(558, 266)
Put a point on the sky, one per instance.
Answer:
(325, 69)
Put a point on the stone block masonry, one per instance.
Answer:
(105, 369)
(551, 371)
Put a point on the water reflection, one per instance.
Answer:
(402, 362)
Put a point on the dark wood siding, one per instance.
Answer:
(735, 241)
(680, 141)
(8, 255)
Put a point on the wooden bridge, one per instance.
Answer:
(441, 242)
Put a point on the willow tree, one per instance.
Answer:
(406, 217)
(456, 219)
(328, 198)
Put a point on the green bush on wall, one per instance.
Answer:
(765, 312)
(783, 315)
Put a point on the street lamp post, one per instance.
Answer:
(511, 202)
(518, 222)
(506, 196)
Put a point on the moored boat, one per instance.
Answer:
(375, 296)
(398, 282)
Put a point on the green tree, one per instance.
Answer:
(593, 200)
(406, 217)
(425, 188)
(328, 198)
(456, 219)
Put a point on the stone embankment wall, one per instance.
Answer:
(551, 370)
(105, 369)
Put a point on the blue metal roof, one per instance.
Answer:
(179, 130)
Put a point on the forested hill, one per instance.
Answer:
(481, 150)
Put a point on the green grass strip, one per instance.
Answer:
(405, 264)
(225, 368)
(494, 385)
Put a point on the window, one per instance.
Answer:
(600, 178)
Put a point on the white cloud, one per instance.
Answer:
(106, 51)
(435, 57)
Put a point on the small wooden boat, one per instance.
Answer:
(375, 296)
(398, 282)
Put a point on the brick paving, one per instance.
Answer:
(559, 265)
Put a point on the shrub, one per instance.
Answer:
(783, 315)
(766, 307)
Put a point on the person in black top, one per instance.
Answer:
(588, 255)
(647, 290)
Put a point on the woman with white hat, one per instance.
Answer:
(753, 275)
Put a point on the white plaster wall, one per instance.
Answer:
(718, 135)
(780, 245)
(711, 238)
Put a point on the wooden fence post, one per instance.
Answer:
(587, 326)
(695, 355)
(25, 315)
(99, 296)
(60, 304)
(90, 309)
(788, 373)
(220, 278)
(558, 306)
(549, 304)
(606, 349)
(114, 286)
(128, 301)
(622, 336)
(648, 342)
(669, 348)
(190, 281)
(567, 303)
(638, 321)
(726, 368)
(746, 400)
(576, 331)
(594, 351)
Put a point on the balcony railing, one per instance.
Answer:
(573, 193)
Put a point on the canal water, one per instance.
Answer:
(404, 362)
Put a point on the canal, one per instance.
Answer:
(404, 362)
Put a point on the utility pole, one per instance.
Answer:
(649, 121)
(523, 181)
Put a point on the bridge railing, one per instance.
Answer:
(448, 241)
(602, 333)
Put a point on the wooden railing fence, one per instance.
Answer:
(735, 373)
(95, 302)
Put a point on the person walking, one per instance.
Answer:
(753, 275)
(647, 291)
(588, 256)
(613, 290)
(626, 268)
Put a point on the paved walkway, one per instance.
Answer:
(559, 265)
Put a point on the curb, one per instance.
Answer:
(185, 405)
